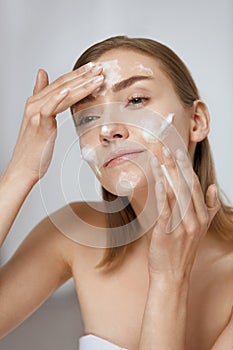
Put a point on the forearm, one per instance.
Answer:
(14, 188)
(165, 316)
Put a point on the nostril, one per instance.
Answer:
(119, 136)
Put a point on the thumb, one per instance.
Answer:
(212, 202)
(42, 81)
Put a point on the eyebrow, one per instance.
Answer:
(130, 81)
(117, 87)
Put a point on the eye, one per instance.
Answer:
(86, 119)
(137, 101)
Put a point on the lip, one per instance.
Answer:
(121, 155)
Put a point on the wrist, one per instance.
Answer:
(167, 279)
(17, 176)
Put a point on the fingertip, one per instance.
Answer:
(44, 75)
(212, 196)
(42, 80)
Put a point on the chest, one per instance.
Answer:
(112, 305)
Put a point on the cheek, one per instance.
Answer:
(182, 126)
(173, 134)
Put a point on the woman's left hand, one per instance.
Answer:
(179, 227)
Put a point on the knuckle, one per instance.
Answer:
(29, 107)
(87, 85)
(34, 121)
(29, 100)
(60, 80)
(193, 230)
(165, 214)
(43, 112)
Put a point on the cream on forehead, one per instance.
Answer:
(151, 130)
(142, 68)
(111, 71)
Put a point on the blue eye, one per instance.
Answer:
(87, 119)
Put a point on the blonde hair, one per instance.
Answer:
(203, 164)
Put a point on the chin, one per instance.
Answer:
(127, 184)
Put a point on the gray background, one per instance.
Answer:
(51, 35)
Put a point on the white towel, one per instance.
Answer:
(91, 342)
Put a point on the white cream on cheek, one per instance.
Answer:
(89, 155)
(151, 132)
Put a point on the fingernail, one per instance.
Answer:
(64, 91)
(179, 154)
(96, 80)
(96, 68)
(89, 65)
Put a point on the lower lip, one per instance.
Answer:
(122, 159)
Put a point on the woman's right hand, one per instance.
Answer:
(34, 148)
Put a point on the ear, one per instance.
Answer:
(199, 122)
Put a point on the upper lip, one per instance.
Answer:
(119, 153)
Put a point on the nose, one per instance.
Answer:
(113, 131)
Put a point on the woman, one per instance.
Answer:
(169, 284)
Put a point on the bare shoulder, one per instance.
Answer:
(77, 226)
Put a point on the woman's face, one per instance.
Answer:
(120, 124)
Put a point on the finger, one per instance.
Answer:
(163, 207)
(79, 92)
(212, 197)
(212, 202)
(42, 81)
(86, 71)
(48, 110)
(184, 210)
(178, 192)
(198, 200)
(169, 168)
(193, 184)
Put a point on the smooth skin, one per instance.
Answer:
(172, 291)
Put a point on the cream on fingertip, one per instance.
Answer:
(90, 65)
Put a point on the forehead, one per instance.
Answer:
(129, 59)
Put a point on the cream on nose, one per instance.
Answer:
(105, 129)
(113, 131)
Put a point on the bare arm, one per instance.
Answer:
(172, 255)
(10, 203)
(39, 266)
(34, 272)
(34, 147)
(164, 321)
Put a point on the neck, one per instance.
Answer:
(143, 203)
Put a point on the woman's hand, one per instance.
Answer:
(177, 233)
(35, 144)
